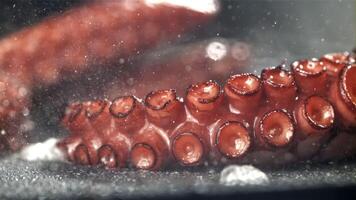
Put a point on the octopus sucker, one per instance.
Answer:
(310, 76)
(279, 86)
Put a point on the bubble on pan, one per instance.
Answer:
(46, 150)
(242, 175)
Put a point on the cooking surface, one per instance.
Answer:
(277, 30)
(22, 179)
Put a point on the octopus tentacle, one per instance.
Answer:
(166, 131)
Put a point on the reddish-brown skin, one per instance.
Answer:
(227, 132)
(273, 138)
(232, 140)
(244, 93)
(164, 109)
(310, 76)
(149, 150)
(334, 62)
(93, 35)
(279, 86)
(314, 117)
(205, 101)
(190, 144)
(209, 130)
(128, 114)
(115, 153)
(343, 95)
(273, 129)
(86, 149)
